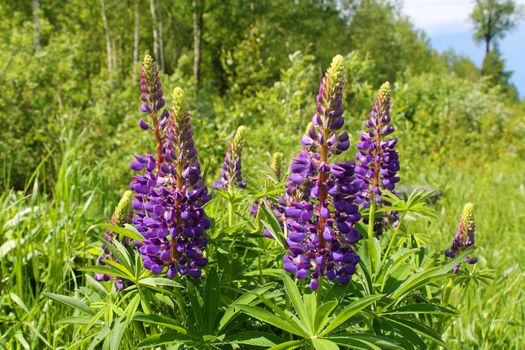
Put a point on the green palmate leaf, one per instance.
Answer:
(105, 270)
(163, 339)
(128, 231)
(244, 299)
(120, 326)
(271, 223)
(123, 269)
(354, 343)
(324, 344)
(420, 329)
(350, 311)
(300, 308)
(212, 295)
(289, 345)
(99, 337)
(287, 324)
(161, 321)
(71, 302)
(197, 305)
(323, 314)
(433, 309)
(159, 281)
(255, 338)
(369, 341)
(426, 276)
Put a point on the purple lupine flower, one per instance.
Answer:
(168, 204)
(121, 216)
(464, 238)
(231, 172)
(377, 160)
(153, 102)
(320, 212)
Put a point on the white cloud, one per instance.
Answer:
(441, 16)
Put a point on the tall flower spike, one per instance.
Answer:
(320, 213)
(464, 238)
(231, 172)
(152, 102)
(169, 210)
(377, 160)
(121, 216)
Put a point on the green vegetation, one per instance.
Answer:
(69, 110)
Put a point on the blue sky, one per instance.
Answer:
(448, 26)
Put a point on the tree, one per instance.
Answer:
(493, 19)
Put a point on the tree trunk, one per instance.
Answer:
(154, 28)
(136, 39)
(109, 52)
(35, 4)
(197, 36)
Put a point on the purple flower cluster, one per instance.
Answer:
(464, 238)
(121, 216)
(320, 213)
(377, 160)
(169, 191)
(231, 172)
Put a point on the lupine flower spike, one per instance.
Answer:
(152, 103)
(121, 216)
(320, 213)
(377, 161)
(231, 172)
(464, 238)
(168, 205)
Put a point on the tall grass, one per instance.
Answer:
(493, 312)
(44, 240)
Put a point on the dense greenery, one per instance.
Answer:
(69, 110)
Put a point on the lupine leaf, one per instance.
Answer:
(324, 344)
(372, 341)
(127, 231)
(244, 299)
(295, 297)
(212, 295)
(255, 338)
(289, 345)
(164, 338)
(323, 314)
(70, 301)
(350, 311)
(287, 325)
(433, 309)
(422, 330)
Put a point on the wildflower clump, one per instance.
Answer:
(320, 212)
(169, 191)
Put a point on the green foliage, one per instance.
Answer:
(69, 132)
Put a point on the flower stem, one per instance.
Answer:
(392, 239)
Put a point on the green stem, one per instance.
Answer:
(371, 218)
(394, 235)
(371, 244)
(230, 213)
(319, 291)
